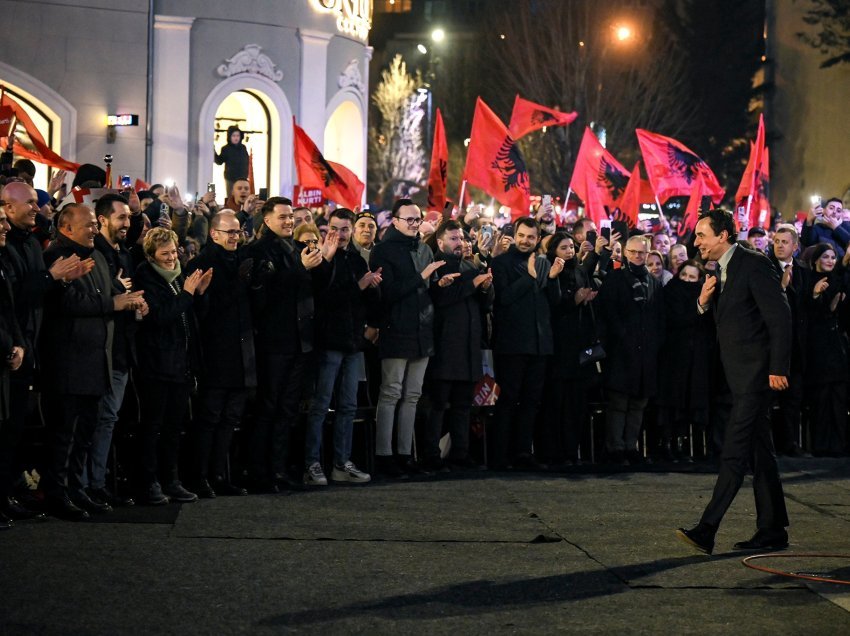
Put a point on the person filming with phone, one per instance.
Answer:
(824, 225)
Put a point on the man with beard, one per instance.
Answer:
(754, 331)
(525, 287)
(78, 359)
(341, 319)
(456, 365)
(113, 214)
(282, 306)
(633, 309)
(31, 280)
(227, 340)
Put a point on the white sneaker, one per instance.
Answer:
(349, 472)
(315, 476)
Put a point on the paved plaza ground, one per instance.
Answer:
(588, 552)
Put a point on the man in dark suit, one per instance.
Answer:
(754, 332)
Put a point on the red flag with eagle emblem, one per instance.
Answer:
(528, 117)
(495, 164)
(29, 142)
(755, 181)
(629, 203)
(336, 182)
(673, 168)
(598, 179)
(437, 178)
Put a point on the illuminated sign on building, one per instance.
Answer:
(353, 17)
(122, 120)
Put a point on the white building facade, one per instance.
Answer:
(189, 69)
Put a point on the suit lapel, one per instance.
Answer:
(731, 275)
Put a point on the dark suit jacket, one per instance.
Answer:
(753, 323)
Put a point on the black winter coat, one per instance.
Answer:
(235, 160)
(281, 296)
(522, 321)
(634, 333)
(124, 338)
(407, 313)
(458, 327)
(686, 369)
(573, 326)
(224, 321)
(167, 341)
(796, 294)
(10, 333)
(827, 347)
(342, 308)
(77, 339)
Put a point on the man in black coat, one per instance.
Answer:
(282, 307)
(633, 308)
(525, 285)
(754, 332)
(78, 359)
(795, 278)
(456, 366)
(31, 280)
(227, 340)
(406, 331)
(343, 308)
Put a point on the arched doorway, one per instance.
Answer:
(247, 109)
(344, 132)
(54, 116)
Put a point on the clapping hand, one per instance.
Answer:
(311, 258)
(330, 245)
(820, 287)
(484, 280)
(371, 279)
(448, 279)
(431, 268)
(557, 267)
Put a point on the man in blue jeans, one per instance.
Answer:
(341, 317)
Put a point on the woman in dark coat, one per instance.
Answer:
(169, 358)
(684, 374)
(574, 330)
(826, 373)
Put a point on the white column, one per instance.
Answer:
(367, 57)
(171, 82)
(314, 80)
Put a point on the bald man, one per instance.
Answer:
(77, 359)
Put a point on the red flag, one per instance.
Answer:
(673, 168)
(761, 199)
(495, 164)
(629, 203)
(437, 178)
(33, 147)
(598, 178)
(141, 185)
(749, 182)
(335, 181)
(528, 117)
(691, 215)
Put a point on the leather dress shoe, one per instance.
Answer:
(524, 462)
(700, 537)
(64, 508)
(5, 522)
(226, 489)
(178, 494)
(12, 509)
(284, 482)
(103, 495)
(82, 500)
(203, 489)
(765, 540)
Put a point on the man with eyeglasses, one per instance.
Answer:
(633, 309)
(341, 331)
(407, 332)
(281, 290)
(228, 372)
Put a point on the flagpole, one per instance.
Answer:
(460, 209)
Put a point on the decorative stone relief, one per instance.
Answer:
(252, 60)
(351, 77)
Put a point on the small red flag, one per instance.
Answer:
(673, 168)
(528, 117)
(691, 215)
(629, 204)
(761, 200)
(752, 193)
(34, 148)
(598, 178)
(437, 178)
(495, 164)
(336, 182)
(141, 185)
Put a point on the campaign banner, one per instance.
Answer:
(307, 197)
(7, 118)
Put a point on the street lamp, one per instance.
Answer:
(438, 35)
(421, 48)
(623, 32)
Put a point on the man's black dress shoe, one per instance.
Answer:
(524, 461)
(5, 522)
(82, 500)
(226, 489)
(63, 508)
(103, 495)
(700, 537)
(203, 489)
(770, 540)
(13, 509)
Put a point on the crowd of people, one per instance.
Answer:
(273, 320)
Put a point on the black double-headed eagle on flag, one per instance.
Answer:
(511, 166)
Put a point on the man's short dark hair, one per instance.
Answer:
(720, 220)
(302, 207)
(104, 205)
(831, 199)
(398, 205)
(215, 221)
(269, 206)
(344, 214)
(449, 225)
(527, 221)
(25, 166)
(580, 223)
